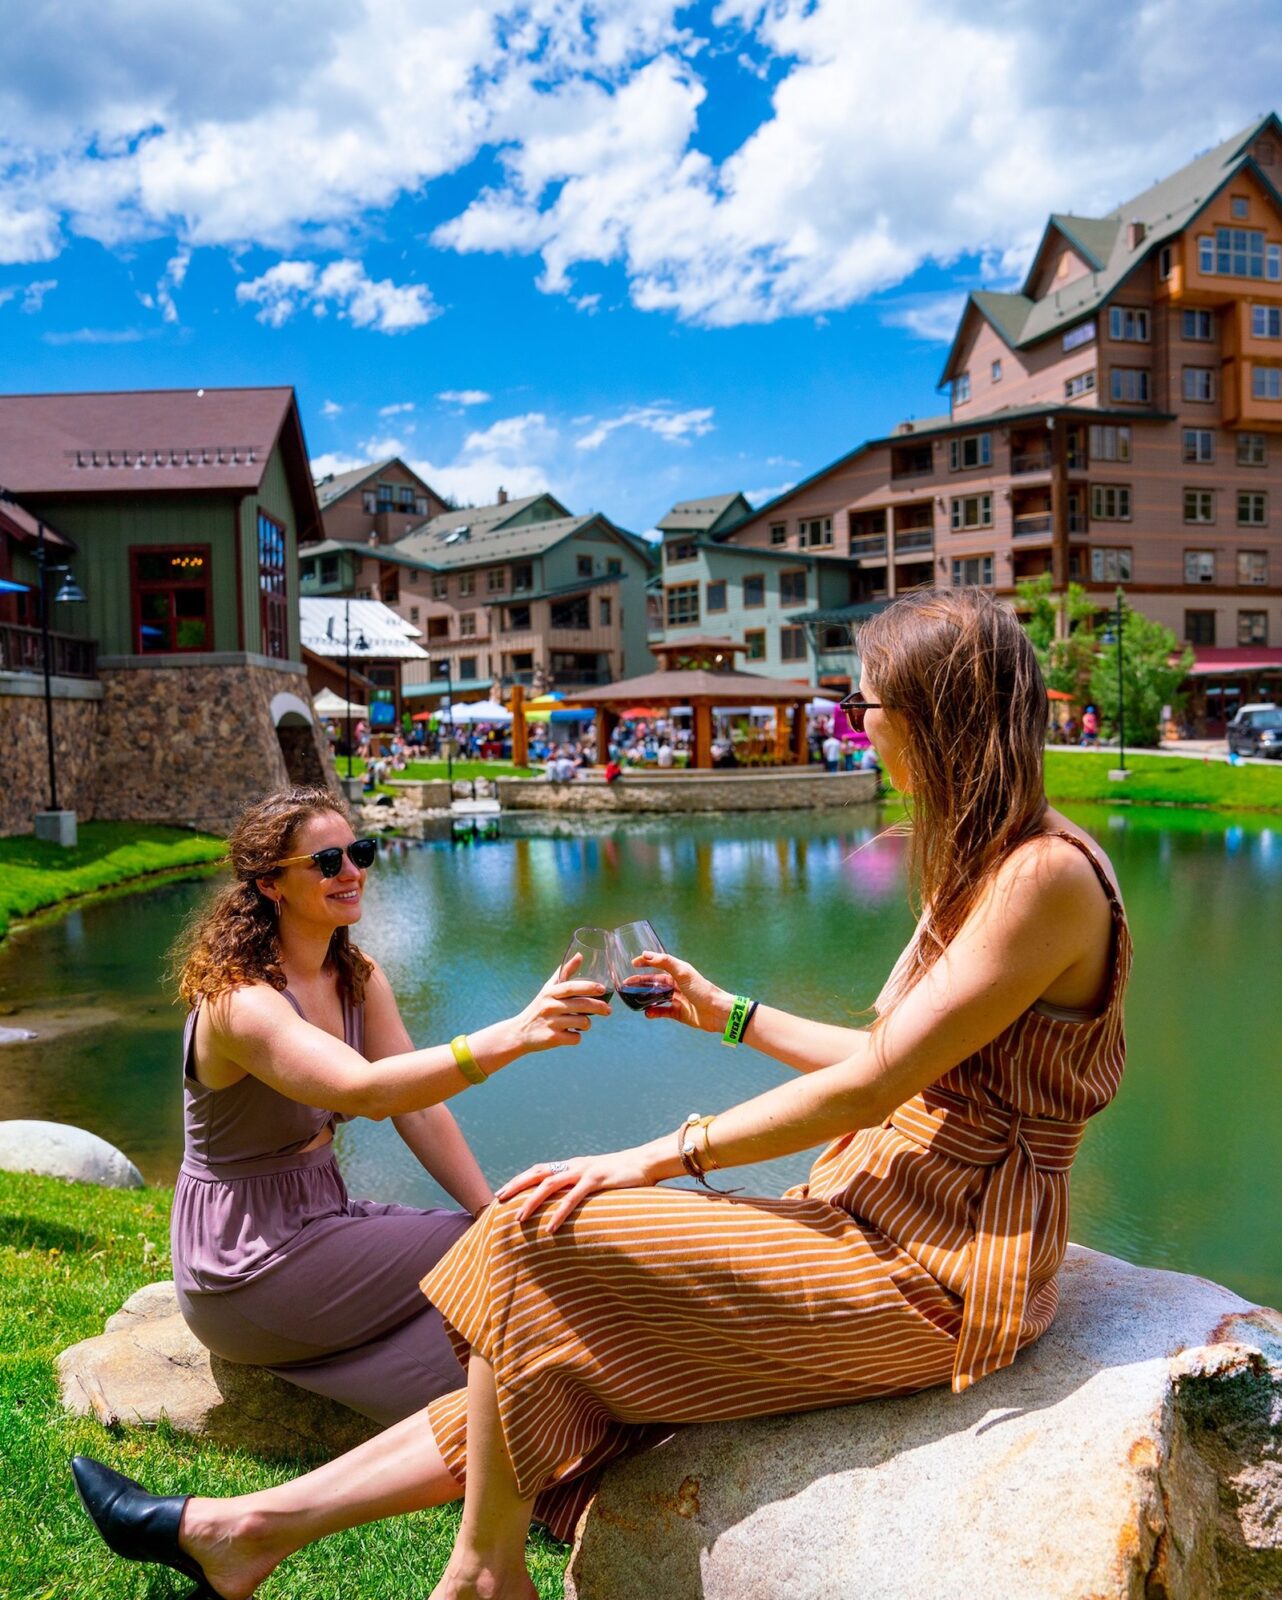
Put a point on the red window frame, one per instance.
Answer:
(138, 587)
(273, 587)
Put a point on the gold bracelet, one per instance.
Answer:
(465, 1060)
(688, 1151)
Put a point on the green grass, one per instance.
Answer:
(35, 875)
(462, 769)
(1172, 780)
(70, 1255)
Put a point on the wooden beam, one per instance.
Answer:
(702, 734)
(520, 733)
(800, 745)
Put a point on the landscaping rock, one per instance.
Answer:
(148, 1365)
(57, 1150)
(1133, 1453)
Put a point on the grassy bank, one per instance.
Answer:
(465, 769)
(1157, 779)
(69, 1256)
(34, 876)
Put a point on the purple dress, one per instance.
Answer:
(275, 1266)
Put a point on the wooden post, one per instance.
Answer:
(520, 733)
(1059, 516)
(800, 747)
(606, 722)
(892, 587)
(781, 737)
(702, 734)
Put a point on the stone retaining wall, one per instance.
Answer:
(806, 789)
(24, 787)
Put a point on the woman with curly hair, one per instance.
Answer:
(291, 1030)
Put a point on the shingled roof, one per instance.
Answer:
(470, 544)
(480, 519)
(703, 515)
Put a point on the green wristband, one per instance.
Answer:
(737, 1021)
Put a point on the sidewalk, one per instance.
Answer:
(1190, 749)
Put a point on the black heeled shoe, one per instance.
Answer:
(137, 1525)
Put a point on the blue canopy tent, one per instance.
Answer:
(8, 586)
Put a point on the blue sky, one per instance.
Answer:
(629, 250)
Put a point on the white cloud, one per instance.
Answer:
(759, 497)
(95, 336)
(934, 319)
(170, 279)
(465, 397)
(334, 461)
(33, 295)
(399, 408)
(513, 454)
(676, 427)
(331, 408)
(290, 286)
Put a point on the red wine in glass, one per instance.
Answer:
(592, 945)
(638, 987)
(646, 989)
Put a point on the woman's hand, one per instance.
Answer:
(561, 1012)
(574, 1179)
(695, 1001)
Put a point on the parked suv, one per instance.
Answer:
(1256, 731)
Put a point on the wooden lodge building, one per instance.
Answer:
(1117, 420)
(178, 686)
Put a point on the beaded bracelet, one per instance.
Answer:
(465, 1061)
(688, 1151)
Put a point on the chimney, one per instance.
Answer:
(502, 495)
(373, 536)
(1134, 234)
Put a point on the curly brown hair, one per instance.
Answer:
(235, 937)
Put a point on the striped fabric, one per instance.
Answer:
(920, 1252)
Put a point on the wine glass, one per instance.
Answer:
(638, 987)
(593, 946)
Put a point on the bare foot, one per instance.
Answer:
(471, 1581)
(234, 1554)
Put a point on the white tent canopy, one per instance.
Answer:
(329, 704)
(478, 711)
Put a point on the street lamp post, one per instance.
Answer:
(449, 738)
(354, 787)
(1119, 772)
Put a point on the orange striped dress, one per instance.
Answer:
(919, 1252)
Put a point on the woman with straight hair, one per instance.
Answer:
(595, 1311)
(291, 1030)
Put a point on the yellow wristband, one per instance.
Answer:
(465, 1060)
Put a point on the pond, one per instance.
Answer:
(806, 910)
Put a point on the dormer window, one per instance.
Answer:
(961, 388)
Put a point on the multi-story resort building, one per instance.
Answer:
(1118, 420)
(518, 592)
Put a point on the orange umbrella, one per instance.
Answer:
(1058, 694)
(638, 713)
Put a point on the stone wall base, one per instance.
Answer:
(24, 783)
(806, 789)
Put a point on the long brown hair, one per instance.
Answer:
(235, 937)
(959, 671)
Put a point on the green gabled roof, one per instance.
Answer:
(706, 515)
(1165, 210)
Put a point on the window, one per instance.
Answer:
(1082, 334)
(1199, 505)
(754, 591)
(385, 497)
(522, 661)
(329, 569)
(605, 611)
(1239, 208)
(389, 591)
(680, 550)
(792, 644)
(1128, 324)
(171, 599)
(496, 580)
(792, 587)
(1253, 569)
(573, 613)
(1252, 509)
(1164, 262)
(467, 624)
(614, 567)
(995, 373)
(420, 505)
(369, 501)
(755, 639)
(715, 595)
(466, 583)
(1253, 627)
(414, 616)
(1110, 444)
(961, 388)
(405, 494)
(778, 533)
(1199, 444)
(518, 619)
(973, 570)
(1266, 322)
(682, 604)
(440, 586)
(976, 450)
(1266, 383)
(1111, 564)
(583, 566)
(1252, 450)
(466, 667)
(1199, 326)
(834, 636)
(1239, 253)
(1110, 502)
(438, 627)
(818, 531)
(273, 603)
(1083, 383)
(522, 577)
(972, 511)
(1199, 627)
(1130, 385)
(1199, 383)
(1199, 566)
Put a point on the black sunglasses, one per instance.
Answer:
(360, 853)
(854, 706)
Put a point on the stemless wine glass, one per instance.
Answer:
(593, 945)
(638, 987)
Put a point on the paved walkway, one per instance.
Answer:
(1190, 749)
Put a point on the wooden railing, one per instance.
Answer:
(21, 650)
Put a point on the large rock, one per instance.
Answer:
(148, 1365)
(57, 1150)
(1133, 1453)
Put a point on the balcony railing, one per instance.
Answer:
(914, 539)
(912, 466)
(1030, 461)
(873, 544)
(1077, 522)
(21, 650)
(1029, 526)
